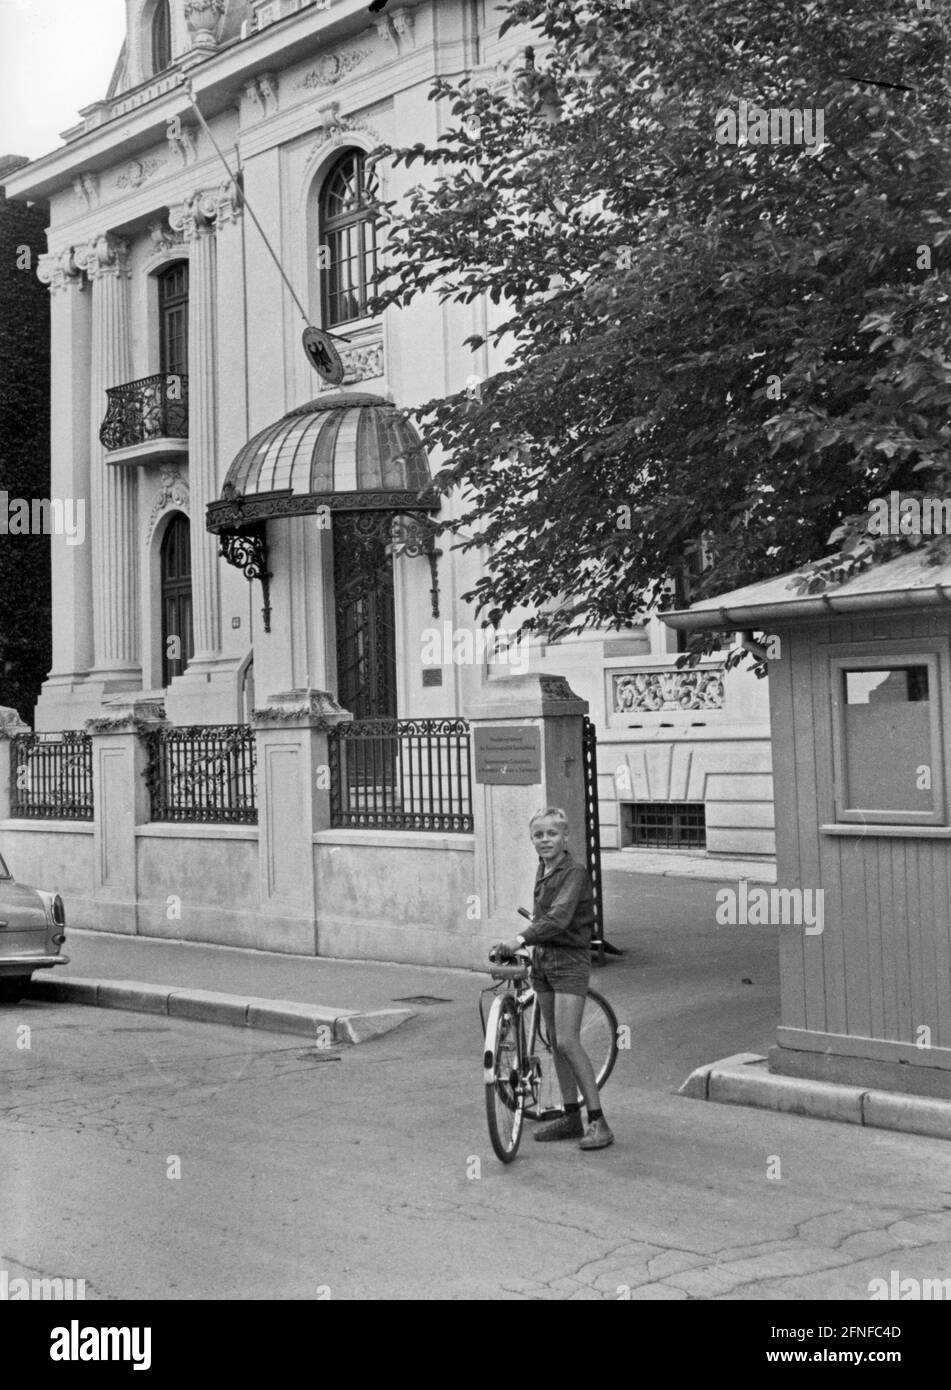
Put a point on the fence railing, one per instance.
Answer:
(202, 773)
(401, 774)
(51, 776)
(156, 407)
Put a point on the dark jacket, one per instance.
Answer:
(564, 906)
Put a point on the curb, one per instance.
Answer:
(744, 1079)
(321, 1024)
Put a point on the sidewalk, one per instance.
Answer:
(687, 864)
(355, 1000)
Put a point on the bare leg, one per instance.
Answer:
(568, 1011)
(563, 1068)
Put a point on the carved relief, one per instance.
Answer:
(398, 27)
(640, 692)
(86, 188)
(182, 142)
(162, 237)
(361, 363)
(331, 68)
(261, 92)
(137, 171)
(172, 493)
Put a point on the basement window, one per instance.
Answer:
(664, 825)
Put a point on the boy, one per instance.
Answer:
(561, 931)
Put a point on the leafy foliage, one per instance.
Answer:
(657, 289)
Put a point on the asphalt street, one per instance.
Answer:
(162, 1159)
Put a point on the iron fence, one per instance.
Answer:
(203, 774)
(401, 774)
(51, 776)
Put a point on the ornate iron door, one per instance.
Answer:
(365, 615)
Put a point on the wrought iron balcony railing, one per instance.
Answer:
(154, 408)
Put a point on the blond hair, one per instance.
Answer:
(554, 813)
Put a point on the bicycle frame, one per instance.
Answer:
(528, 1032)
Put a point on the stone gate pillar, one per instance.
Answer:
(293, 786)
(526, 755)
(119, 758)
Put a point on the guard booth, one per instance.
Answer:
(860, 704)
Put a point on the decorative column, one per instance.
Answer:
(113, 487)
(195, 219)
(70, 358)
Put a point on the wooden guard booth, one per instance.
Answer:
(860, 708)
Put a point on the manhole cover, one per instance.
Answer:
(421, 999)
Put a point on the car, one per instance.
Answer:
(32, 931)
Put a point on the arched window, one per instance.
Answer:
(176, 598)
(348, 231)
(161, 37)
(173, 318)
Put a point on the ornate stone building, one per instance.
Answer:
(251, 530)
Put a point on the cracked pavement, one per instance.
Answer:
(367, 1171)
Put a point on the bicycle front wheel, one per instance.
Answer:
(599, 1035)
(504, 1087)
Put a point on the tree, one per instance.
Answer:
(25, 612)
(741, 342)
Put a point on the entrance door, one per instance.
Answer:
(366, 658)
(365, 616)
(177, 648)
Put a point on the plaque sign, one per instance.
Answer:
(507, 754)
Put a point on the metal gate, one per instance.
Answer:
(592, 828)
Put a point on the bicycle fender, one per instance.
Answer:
(488, 1053)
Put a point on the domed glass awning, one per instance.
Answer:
(345, 451)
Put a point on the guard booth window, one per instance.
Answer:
(887, 743)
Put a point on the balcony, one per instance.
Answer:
(147, 420)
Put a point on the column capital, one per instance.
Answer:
(204, 210)
(58, 270)
(104, 257)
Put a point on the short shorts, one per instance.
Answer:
(561, 970)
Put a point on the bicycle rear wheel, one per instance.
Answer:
(599, 1035)
(504, 1090)
(599, 1040)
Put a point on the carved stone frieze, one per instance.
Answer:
(330, 68)
(362, 362)
(137, 171)
(645, 692)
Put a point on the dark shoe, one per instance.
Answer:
(566, 1127)
(597, 1136)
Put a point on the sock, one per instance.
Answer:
(595, 1115)
(573, 1109)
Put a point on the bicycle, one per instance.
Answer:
(519, 1075)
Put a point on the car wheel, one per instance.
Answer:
(11, 989)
